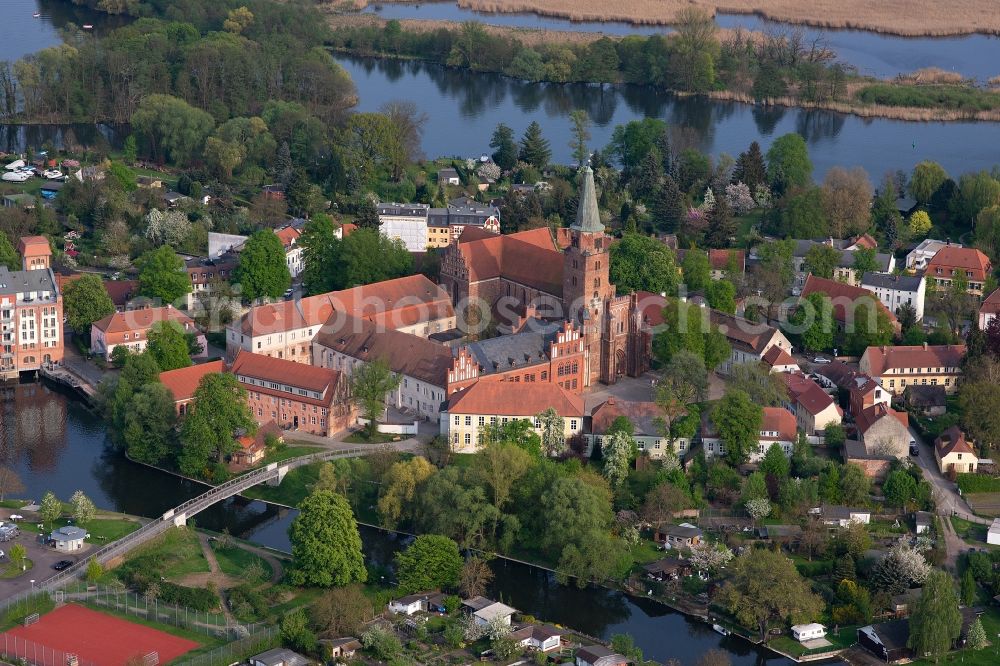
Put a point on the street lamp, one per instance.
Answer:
(32, 584)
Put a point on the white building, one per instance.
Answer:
(807, 632)
(293, 251)
(896, 290)
(407, 222)
(917, 259)
(993, 534)
(778, 427)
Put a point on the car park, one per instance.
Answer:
(62, 564)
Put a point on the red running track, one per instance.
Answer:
(104, 640)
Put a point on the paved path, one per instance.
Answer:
(215, 574)
(337, 443)
(277, 568)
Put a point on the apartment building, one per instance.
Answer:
(894, 291)
(131, 329)
(445, 225)
(406, 222)
(895, 368)
(814, 408)
(36, 254)
(952, 261)
(31, 313)
(295, 396)
(489, 402)
(919, 256)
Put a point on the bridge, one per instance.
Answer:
(272, 474)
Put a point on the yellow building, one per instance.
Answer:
(917, 365)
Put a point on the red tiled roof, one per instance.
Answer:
(881, 359)
(806, 392)
(515, 399)
(869, 417)
(743, 333)
(865, 241)
(992, 304)
(183, 382)
(782, 421)
(719, 259)
(283, 371)
(952, 440)
(950, 258)
(643, 415)
(776, 356)
(33, 246)
(471, 233)
(529, 257)
(140, 320)
(842, 295)
(121, 291)
(287, 235)
(258, 441)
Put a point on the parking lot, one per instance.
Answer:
(41, 555)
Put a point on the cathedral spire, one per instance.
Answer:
(588, 217)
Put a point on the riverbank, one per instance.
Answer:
(912, 18)
(920, 97)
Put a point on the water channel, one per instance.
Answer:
(55, 442)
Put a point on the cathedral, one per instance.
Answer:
(533, 275)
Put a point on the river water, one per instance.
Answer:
(56, 443)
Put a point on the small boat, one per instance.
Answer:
(36, 15)
(720, 629)
(16, 176)
(88, 26)
(16, 164)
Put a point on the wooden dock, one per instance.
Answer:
(67, 377)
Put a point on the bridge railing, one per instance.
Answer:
(193, 506)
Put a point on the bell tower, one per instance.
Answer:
(586, 287)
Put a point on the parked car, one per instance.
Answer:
(62, 564)
(821, 360)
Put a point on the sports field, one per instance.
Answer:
(102, 640)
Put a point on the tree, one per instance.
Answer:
(366, 257)
(553, 432)
(800, 214)
(926, 179)
(618, 450)
(500, 465)
(920, 224)
(18, 555)
(976, 191)
(168, 345)
(82, 509)
(8, 255)
(162, 275)
(695, 49)
(813, 321)
(431, 562)
(979, 404)
(662, 502)
(295, 631)
(899, 487)
(220, 412)
(238, 20)
(10, 482)
(764, 387)
(147, 422)
(864, 262)
(976, 638)
(775, 464)
(172, 128)
(900, 569)
(968, 588)
(399, 487)
(505, 149)
(51, 508)
(580, 131)
(737, 420)
(382, 643)
(710, 557)
(855, 486)
(575, 510)
(475, 577)
(758, 508)
(847, 197)
(721, 227)
(788, 163)
(341, 611)
(263, 270)
(371, 384)
(667, 206)
(764, 587)
(697, 270)
(535, 148)
(85, 300)
(94, 570)
(821, 260)
(935, 623)
(721, 295)
(641, 263)
(750, 168)
(326, 545)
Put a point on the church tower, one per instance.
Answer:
(586, 287)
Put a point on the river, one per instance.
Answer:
(873, 54)
(56, 443)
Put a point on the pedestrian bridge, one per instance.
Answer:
(271, 474)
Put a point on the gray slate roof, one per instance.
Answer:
(588, 217)
(16, 282)
(890, 281)
(514, 351)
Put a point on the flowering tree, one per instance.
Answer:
(758, 507)
(902, 568)
(762, 195)
(489, 170)
(170, 228)
(553, 432)
(708, 203)
(617, 450)
(739, 198)
(710, 557)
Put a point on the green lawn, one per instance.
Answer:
(234, 561)
(986, 657)
(13, 503)
(846, 637)
(973, 533)
(293, 488)
(379, 438)
(180, 552)
(646, 551)
(12, 570)
(289, 452)
(101, 530)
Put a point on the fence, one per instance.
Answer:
(265, 639)
(13, 647)
(152, 609)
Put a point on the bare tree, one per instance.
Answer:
(10, 482)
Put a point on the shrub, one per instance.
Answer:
(978, 483)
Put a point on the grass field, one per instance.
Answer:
(101, 530)
(293, 488)
(234, 561)
(973, 533)
(180, 552)
(291, 451)
(984, 504)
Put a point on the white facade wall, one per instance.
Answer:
(411, 230)
(894, 298)
(462, 430)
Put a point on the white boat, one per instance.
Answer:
(16, 176)
(87, 26)
(54, 174)
(720, 629)
(36, 15)
(16, 164)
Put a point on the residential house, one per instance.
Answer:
(206, 274)
(289, 237)
(951, 261)
(252, 448)
(667, 568)
(750, 341)
(842, 516)
(989, 310)
(598, 655)
(884, 431)
(539, 637)
(489, 402)
(279, 657)
(923, 521)
(183, 382)
(813, 407)
(887, 640)
(920, 256)
(486, 611)
(31, 315)
(121, 292)
(646, 419)
(993, 533)
(286, 329)
(36, 254)
(446, 225)
(410, 604)
(448, 176)
(844, 270)
(721, 261)
(914, 365)
(311, 399)
(928, 400)
(684, 535)
(405, 222)
(865, 392)
(778, 360)
(778, 427)
(340, 648)
(131, 329)
(846, 301)
(953, 453)
(894, 291)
